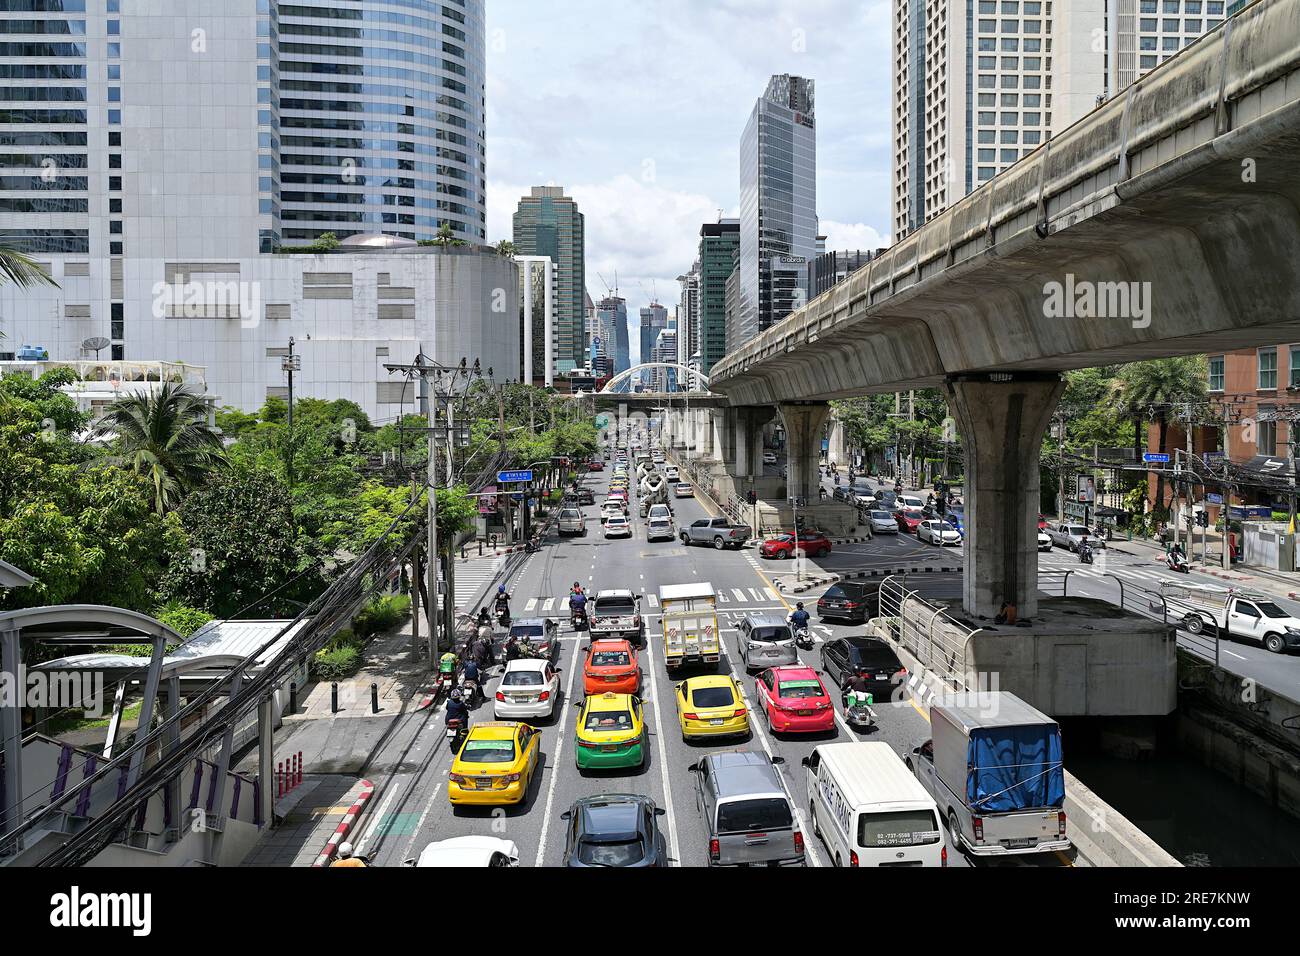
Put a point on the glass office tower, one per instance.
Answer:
(548, 223)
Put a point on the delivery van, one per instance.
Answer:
(869, 810)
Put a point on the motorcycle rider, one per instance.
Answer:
(577, 602)
(484, 617)
(474, 682)
(503, 604)
(456, 710)
(447, 664)
(1085, 550)
(798, 619)
(347, 858)
(1176, 556)
(856, 693)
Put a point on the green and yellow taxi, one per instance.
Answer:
(611, 732)
(711, 705)
(495, 764)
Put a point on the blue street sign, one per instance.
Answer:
(506, 477)
(1239, 511)
(1214, 499)
(1152, 457)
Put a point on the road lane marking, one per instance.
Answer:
(419, 825)
(530, 605)
(375, 819)
(740, 595)
(663, 754)
(561, 723)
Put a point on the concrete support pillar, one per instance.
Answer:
(1002, 418)
(803, 446)
(703, 433)
(838, 450)
(11, 722)
(746, 423)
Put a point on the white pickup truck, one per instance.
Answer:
(1070, 535)
(616, 613)
(1233, 613)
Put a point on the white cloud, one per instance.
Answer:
(842, 236)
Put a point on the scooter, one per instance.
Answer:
(857, 710)
(803, 638)
(534, 544)
(503, 617)
(1085, 554)
(1178, 564)
(456, 734)
(578, 618)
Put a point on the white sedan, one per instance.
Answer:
(769, 458)
(468, 851)
(937, 532)
(683, 490)
(528, 689)
(1044, 541)
(882, 522)
(617, 526)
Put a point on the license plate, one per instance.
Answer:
(1019, 844)
(609, 748)
(521, 700)
(882, 677)
(611, 680)
(483, 782)
(805, 713)
(718, 721)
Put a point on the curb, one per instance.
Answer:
(345, 826)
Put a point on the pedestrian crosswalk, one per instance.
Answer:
(472, 577)
(732, 596)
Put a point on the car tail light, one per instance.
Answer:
(978, 825)
(690, 716)
(587, 744)
(512, 778)
(798, 842)
(853, 858)
(740, 712)
(850, 603)
(544, 695)
(715, 850)
(631, 742)
(501, 696)
(943, 857)
(1060, 823)
(456, 778)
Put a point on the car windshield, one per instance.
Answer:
(521, 679)
(770, 634)
(882, 516)
(1078, 530)
(835, 591)
(488, 751)
(705, 697)
(799, 689)
(619, 853)
(571, 513)
(1270, 609)
(784, 538)
(874, 658)
(615, 605)
(766, 813)
(609, 720)
(527, 630)
(610, 659)
(898, 828)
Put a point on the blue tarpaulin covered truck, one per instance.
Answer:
(994, 766)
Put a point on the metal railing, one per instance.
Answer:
(933, 636)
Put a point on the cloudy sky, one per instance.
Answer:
(636, 108)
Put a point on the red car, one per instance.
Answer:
(1042, 523)
(811, 543)
(795, 700)
(595, 466)
(611, 665)
(908, 520)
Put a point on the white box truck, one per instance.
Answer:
(690, 624)
(993, 765)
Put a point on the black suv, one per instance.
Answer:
(868, 657)
(850, 601)
(614, 829)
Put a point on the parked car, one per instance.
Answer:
(794, 700)
(939, 532)
(529, 689)
(614, 829)
(765, 642)
(683, 490)
(882, 522)
(739, 794)
(812, 544)
(572, 521)
(849, 601)
(866, 657)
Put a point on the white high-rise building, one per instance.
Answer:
(978, 84)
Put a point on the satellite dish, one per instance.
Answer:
(95, 344)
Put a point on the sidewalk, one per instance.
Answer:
(1279, 583)
(312, 814)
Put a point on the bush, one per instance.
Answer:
(383, 614)
(331, 665)
(181, 618)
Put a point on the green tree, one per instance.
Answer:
(505, 248)
(1150, 391)
(164, 436)
(21, 270)
(445, 238)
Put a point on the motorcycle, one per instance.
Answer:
(534, 544)
(578, 618)
(445, 683)
(1085, 554)
(803, 638)
(857, 710)
(503, 617)
(456, 734)
(1177, 563)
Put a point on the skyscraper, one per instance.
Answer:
(778, 203)
(548, 223)
(654, 319)
(688, 315)
(611, 317)
(976, 90)
(719, 244)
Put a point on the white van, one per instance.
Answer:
(869, 810)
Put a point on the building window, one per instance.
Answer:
(1266, 431)
(1216, 373)
(1267, 368)
(1294, 369)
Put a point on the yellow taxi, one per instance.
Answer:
(495, 764)
(611, 732)
(711, 705)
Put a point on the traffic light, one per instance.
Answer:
(1203, 519)
(751, 497)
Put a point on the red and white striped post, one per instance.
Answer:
(279, 779)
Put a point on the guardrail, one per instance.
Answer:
(929, 633)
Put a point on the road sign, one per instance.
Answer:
(1152, 457)
(507, 477)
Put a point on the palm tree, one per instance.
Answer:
(1149, 391)
(164, 435)
(21, 271)
(445, 237)
(506, 249)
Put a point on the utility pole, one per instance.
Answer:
(1060, 467)
(1187, 426)
(290, 363)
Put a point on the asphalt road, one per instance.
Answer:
(412, 810)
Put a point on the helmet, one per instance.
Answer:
(501, 589)
(345, 850)
(456, 694)
(799, 605)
